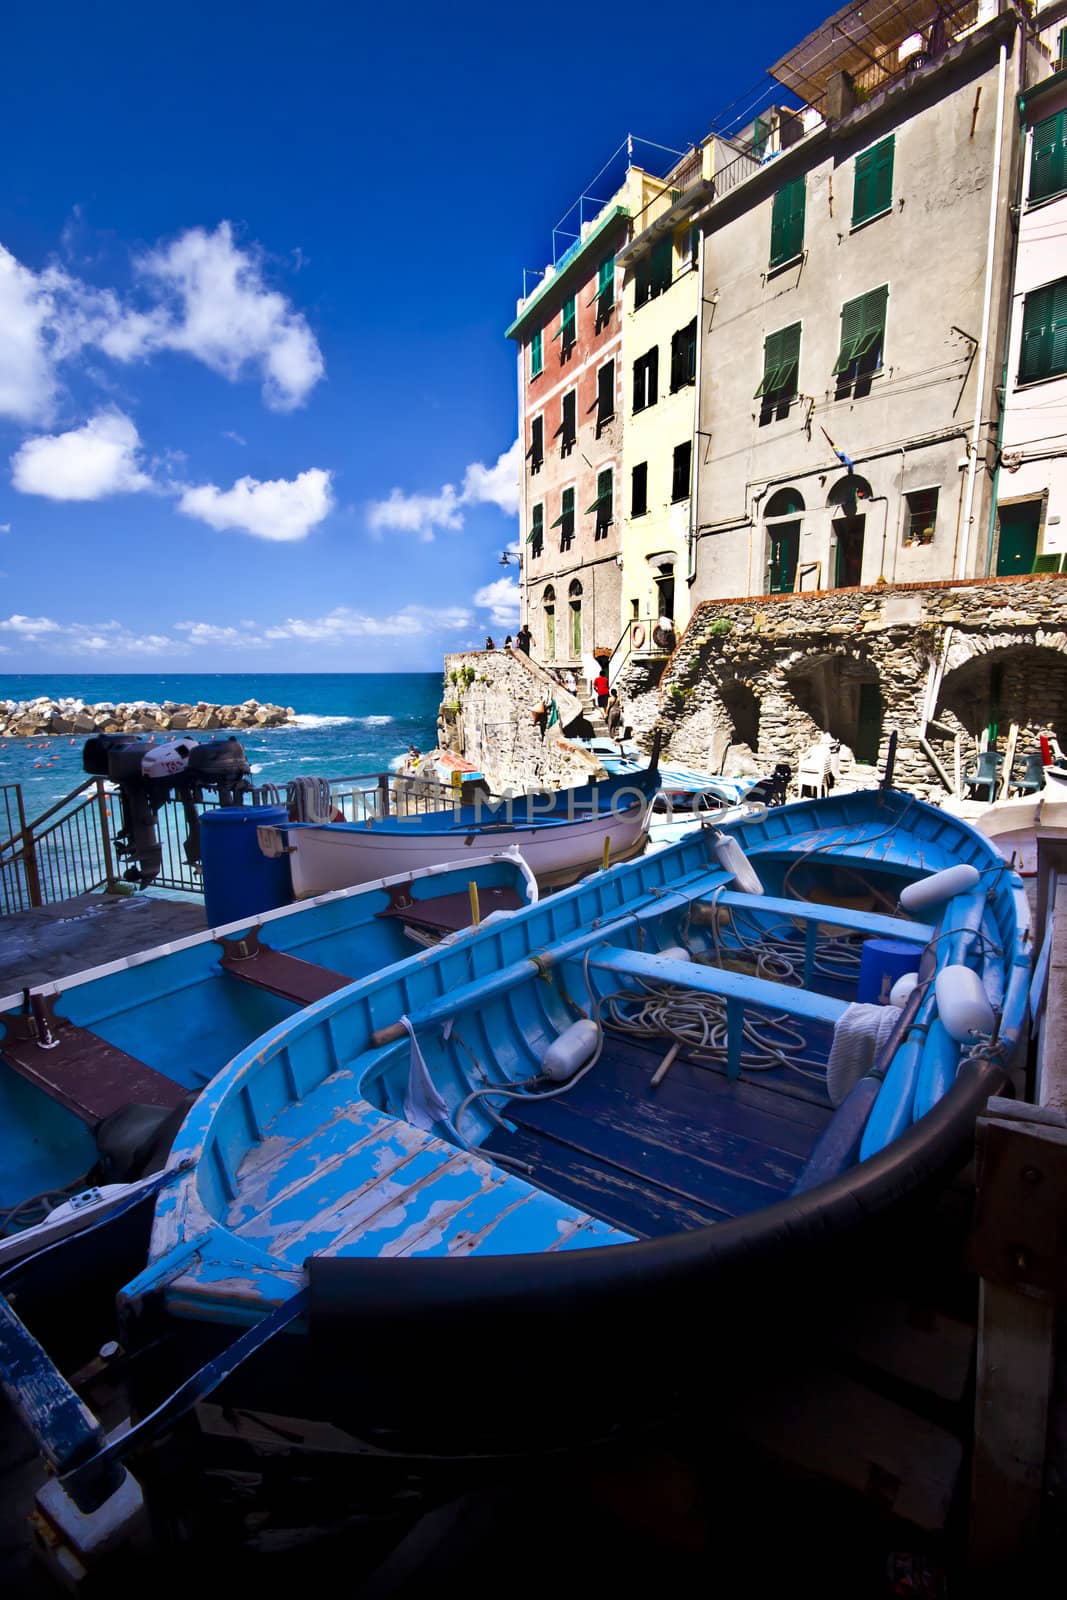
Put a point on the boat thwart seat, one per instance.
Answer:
(81, 1070)
(284, 975)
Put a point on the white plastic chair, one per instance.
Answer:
(812, 769)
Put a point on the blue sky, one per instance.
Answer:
(256, 407)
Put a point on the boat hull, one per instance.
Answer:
(557, 853)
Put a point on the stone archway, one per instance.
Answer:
(1001, 681)
(842, 694)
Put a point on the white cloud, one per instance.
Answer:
(279, 509)
(344, 623)
(497, 485)
(421, 514)
(234, 437)
(27, 378)
(86, 638)
(243, 638)
(501, 599)
(416, 513)
(5, 527)
(88, 463)
(201, 294)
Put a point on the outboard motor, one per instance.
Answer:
(150, 775)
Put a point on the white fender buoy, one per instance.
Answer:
(567, 1054)
(675, 952)
(731, 857)
(962, 1004)
(939, 886)
(898, 994)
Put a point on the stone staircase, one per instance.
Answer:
(593, 714)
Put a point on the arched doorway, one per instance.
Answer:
(844, 696)
(575, 596)
(782, 520)
(847, 499)
(548, 602)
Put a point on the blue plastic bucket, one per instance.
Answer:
(239, 880)
(882, 962)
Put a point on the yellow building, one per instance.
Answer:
(660, 358)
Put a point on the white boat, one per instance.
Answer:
(560, 836)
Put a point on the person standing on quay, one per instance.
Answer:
(524, 640)
(489, 645)
(600, 689)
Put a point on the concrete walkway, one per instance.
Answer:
(59, 940)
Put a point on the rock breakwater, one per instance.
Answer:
(30, 719)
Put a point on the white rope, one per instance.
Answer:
(309, 799)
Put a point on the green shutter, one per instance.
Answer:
(787, 222)
(781, 357)
(1044, 347)
(662, 265)
(537, 358)
(603, 495)
(862, 325)
(536, 533)
(872, 191)
(1048, 159)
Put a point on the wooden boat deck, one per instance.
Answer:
(336, 1176)
(698, 1149)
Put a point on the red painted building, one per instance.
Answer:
(569, 334)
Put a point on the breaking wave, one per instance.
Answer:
(373, 722)
(307, 719)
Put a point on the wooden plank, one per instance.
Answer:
(1015, 1348)
(713, 980)
(829, 1425)
(448, 913)
(284, 975)
(909, 1341)
(86, 1074)
(869, 923)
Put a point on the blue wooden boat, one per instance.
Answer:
(550, 1178)
(151, 1030)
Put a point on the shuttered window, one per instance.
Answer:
(1048, 159)
(537, 354)
(642, 281)
(536, 536)
(605, 394)
(605, 288)
(787, 222)
(684, 356)
(646, 373)
(862, 335)
(1044, 349)
(680, 475)
(781, 359)
(604, 504)
(567, 332)
(565, 521)
(662, 265)
(873, 186)
(536, 451)
(568, 422)
(639, 490)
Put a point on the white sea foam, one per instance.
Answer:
(257, 766)
(307, 719)
(396, 763)
(373, 722)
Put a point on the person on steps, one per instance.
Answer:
(600, 689)
(524, 640)
(613, 715)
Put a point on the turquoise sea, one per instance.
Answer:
(348, 723)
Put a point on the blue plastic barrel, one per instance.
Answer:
(882, 962)
(239, 880)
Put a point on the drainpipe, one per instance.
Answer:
(987, 304)
(691, 556)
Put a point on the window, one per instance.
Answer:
(654, 272)
(646, 373)
(787, 223)
(568, 424)
(537, 354)
(862, 337)
(604, 504)
(536, 452)
(567, 332)
(922, 516)
(688, 242)
(761, 133)
(781, 359)
(662, 267)
(1044, 349)
(872, 191)
(605, 394)
(1048, 157)
(565, 521)
(683, 457)
(639, 490)
(536, 536)
(684, 356)
(1060, 63)
(605, 290)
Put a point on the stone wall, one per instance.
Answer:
(28, 719)
(487, 716)
(759, 680)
